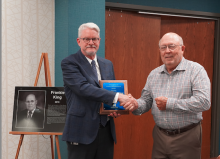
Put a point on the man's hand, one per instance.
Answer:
(131, 104)
(114, 115)
(161, 102)
(123, 99)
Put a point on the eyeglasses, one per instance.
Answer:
(87, 40)
(171, 47)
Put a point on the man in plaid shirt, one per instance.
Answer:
(177, 93)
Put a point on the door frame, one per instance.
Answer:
(215, 110)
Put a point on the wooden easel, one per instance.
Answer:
(48, 81)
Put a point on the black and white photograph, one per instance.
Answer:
(31, 109)
(39, 109)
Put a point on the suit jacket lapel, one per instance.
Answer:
(102, 68)
(87, 67)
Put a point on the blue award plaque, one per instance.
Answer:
(119, 86)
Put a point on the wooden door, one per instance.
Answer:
(198, 37)
(132, 45)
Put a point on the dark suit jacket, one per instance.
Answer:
(36, 121)
(84, 97)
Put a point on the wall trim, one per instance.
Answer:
(215, 110)
(161, 10)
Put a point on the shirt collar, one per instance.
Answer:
(182, 66)
(32, 111)
(95, 59)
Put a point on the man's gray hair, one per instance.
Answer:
(89, 25)
(180, 38)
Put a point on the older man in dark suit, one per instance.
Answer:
(89, 135)
(32, 116)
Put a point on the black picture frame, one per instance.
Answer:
(49, 114)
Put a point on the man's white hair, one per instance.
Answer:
(88, 25)
(180, 38)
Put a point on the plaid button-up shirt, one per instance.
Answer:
(187, 89)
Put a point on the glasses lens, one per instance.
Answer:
(172, 47)
(86, 40)
(162, 48)
(95, 40)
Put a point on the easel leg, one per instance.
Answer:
(52, 150)
(58, 146)
(19, 145)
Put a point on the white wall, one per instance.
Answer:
(27, 31)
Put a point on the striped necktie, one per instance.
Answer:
(103, 118)
(29, 114)
(94, 70)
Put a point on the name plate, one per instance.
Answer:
(119, 86)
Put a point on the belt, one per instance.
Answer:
(178, 131)
(101, 126)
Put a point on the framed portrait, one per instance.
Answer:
(39, 109)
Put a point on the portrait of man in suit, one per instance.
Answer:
(32, 116)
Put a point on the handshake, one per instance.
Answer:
(128, 102)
